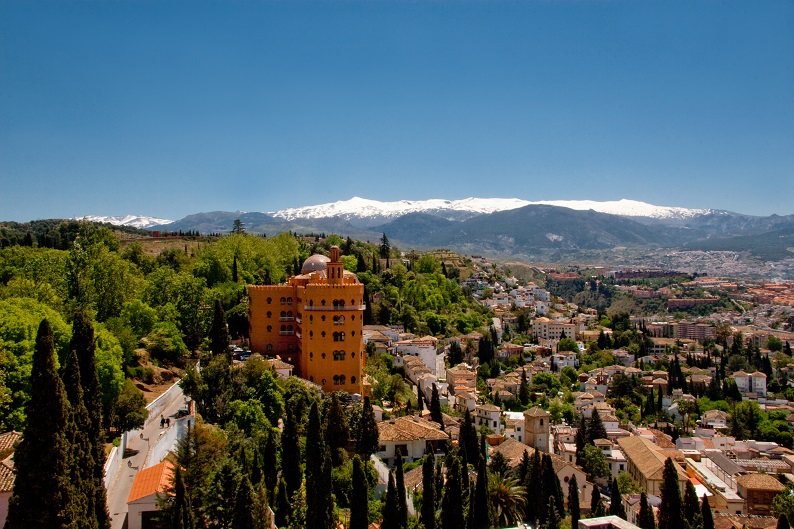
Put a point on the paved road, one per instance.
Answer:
(138, 446)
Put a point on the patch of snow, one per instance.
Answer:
(554, 237)
(136, 221)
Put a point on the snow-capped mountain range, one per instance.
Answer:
(365, 212)
(363, 208)
(136, 221)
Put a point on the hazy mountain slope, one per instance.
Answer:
(770, 246)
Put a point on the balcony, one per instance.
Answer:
(286, 333)
(346, 308)
(286, 318)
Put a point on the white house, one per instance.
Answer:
(410, 436)
(423, 348)
(490, 416)
(150, 483)
(752, 385)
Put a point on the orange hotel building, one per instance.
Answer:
(314, 322)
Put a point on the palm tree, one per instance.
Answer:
(507, 499)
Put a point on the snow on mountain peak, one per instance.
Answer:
(136, 221)
(365, 208)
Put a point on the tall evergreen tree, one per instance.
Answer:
(390, 512)
(435, 407)
(282, 507)
(290, 454)
(78, 429)
(551, 485)
(428, 514)
(219, 333)
(181, 513)
(368, 436)
(670, 512)
(692, 507)
(337, 431)
(359, 508)
(481, 516)
(452, 511)
(523, 389)
(399, 484)
(270, 465)
(42, 496)
(85, 347)
(595, 502)
(616, 501)
(573, 502)
(581, 439)
(646, 519)
(782, 522)
(468, 440)
(553, 516)
(534, 482)
(595, 428)
(705, 514)
(319, 501)
(242, 513)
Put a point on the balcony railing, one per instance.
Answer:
(286, 333)
(331, 308)
(286, 318)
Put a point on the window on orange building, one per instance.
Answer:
(269, 314)
(353, 379)
(269, 301)
(269, 328)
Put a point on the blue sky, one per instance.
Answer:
(171, 108)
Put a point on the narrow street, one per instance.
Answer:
(137, 459)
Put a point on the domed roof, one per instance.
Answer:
(315, 263)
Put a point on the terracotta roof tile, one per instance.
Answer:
(6, 478)
(151, 481)
(760, 482)
(410, 429)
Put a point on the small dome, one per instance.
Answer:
(315, 263)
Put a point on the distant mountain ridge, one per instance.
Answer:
(507, 226)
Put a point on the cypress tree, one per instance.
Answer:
(319, 502)
(435, 408)
(481, 516)
(439, 485)
(85, 347)
(573, 502)
(523, 468)
(337, 431)
(782, 522)
(359, 508)
(428, 514)
(646, 519)
(552, 517)
(705, 513)
(616, 501)
(468, 438)
(399, 483)
(270, 461)
(595, 428)
(243, 514)
(390, 514)
(282, 507)
(691, 506)
(581, 439)
(219, 334)
(181, 513)
(670, 515)
(78, 429)
(551, 485)
(595, 502)
(534, 481)
(290, 454)
(452, 511)
(42, 496)
(368, 437)
(523, 389)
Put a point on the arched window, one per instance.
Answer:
(323, 356)
(336, 303)
(353, 379)
(311, 379)
(353, 317)
(283, 328)
(352, 333)
(322, 303)
(270, 347)
(341, 337)
(269, 328)
(336, 320)
(289, 314)
(283, 314)
(289, 301)
(311, 334)
(323, 382)
(283, 300)
(341, 302)
(269, 314)
(336, 380)
(311, 302)
(323, 334)
(311, 356)
(352, 302)
(341, 380)
(311, 317)
(269, 301)
(322, 317)
(352, 355)
(341, 320)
